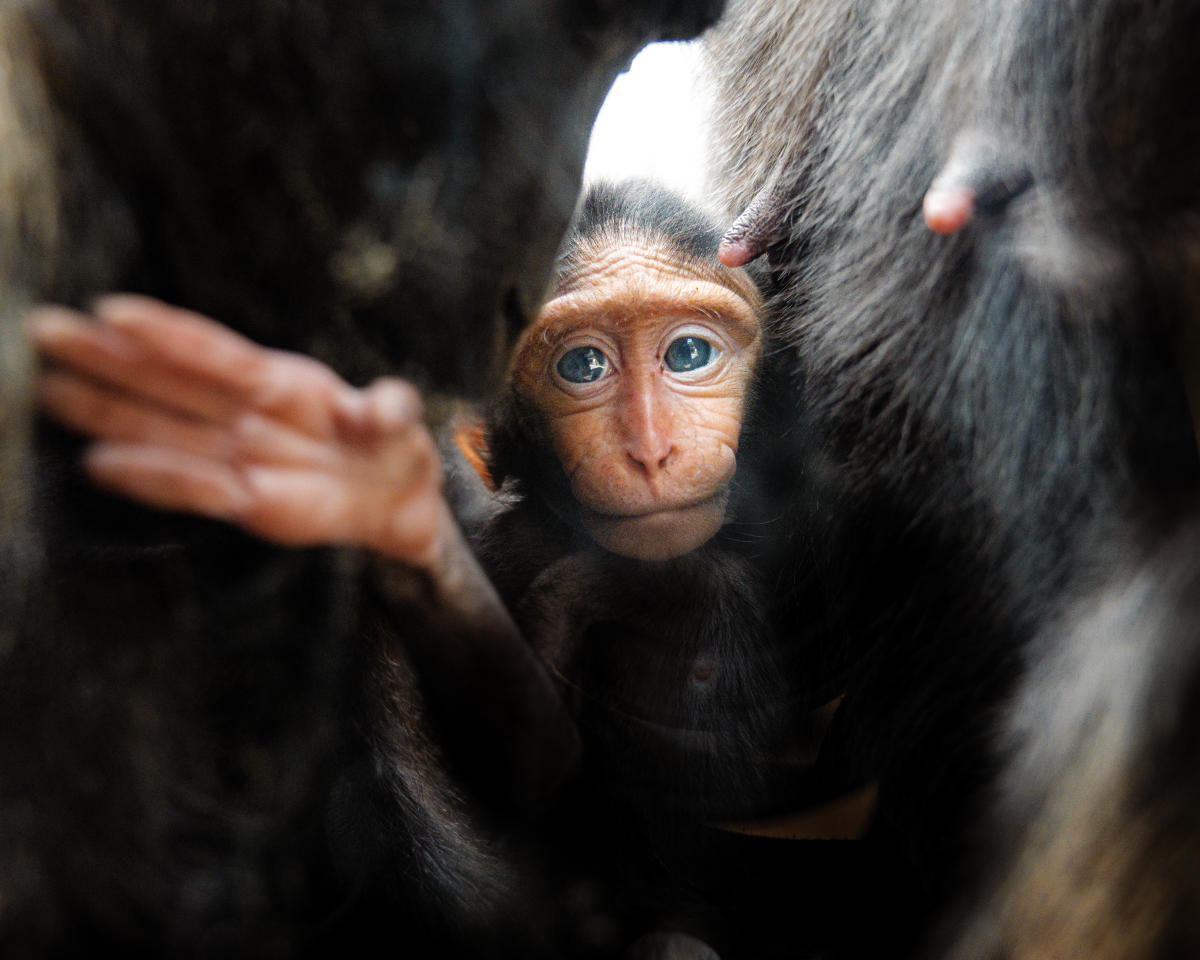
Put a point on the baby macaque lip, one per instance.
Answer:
(658, 509)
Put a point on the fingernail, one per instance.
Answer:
(48, 323)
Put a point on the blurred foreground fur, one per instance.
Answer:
(1094, 843)
(383, 186)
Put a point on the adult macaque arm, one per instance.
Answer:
(191, 416)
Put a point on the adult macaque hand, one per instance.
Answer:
(191, 416)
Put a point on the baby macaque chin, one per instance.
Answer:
(662, 535)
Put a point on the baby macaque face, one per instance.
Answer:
(641, 364)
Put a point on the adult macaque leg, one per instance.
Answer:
(190, 416)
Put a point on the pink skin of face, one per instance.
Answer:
(648, 447)
(650, 459)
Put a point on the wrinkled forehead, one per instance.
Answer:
(616, 286)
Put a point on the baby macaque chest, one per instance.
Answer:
(681, 693)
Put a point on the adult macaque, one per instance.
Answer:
(620, 428)
(996, 400)
(1094, 835)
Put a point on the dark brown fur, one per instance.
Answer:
(383, 187)
(1094, 841)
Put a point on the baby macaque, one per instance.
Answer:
(636, 375)
(637, 371)
(618, 433)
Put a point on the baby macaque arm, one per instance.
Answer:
(191, 416)
(491, 695)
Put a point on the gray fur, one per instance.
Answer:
(996, 404)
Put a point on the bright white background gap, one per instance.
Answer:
(653, 123)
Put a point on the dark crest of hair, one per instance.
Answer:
(638, 208)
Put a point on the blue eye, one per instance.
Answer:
(582, 365)
(688, 353)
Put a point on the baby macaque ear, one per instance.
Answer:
(470, 436)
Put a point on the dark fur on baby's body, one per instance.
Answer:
(383, 186)
(998, 405)
(683, 682)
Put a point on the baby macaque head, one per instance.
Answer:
(637, 370)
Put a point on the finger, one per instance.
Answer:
(73, 341)
(169, 479)
(291, 387)
(292, 507)
(97, 411)
(305, 508)
(387, 407)
(108, 415)
(407, 460)
(413, 532)
(285, 505)
(394, 405)
(261, 440)
(184, 339)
